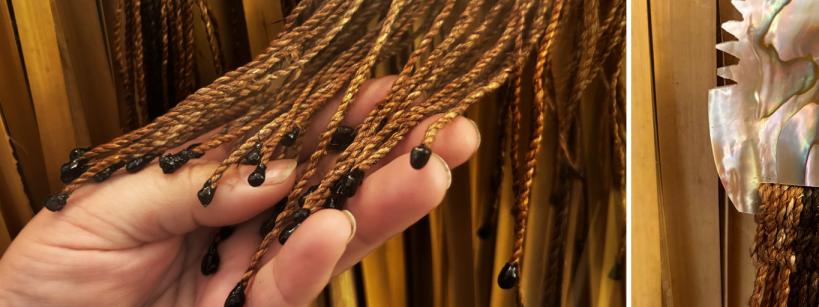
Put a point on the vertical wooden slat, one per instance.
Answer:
(384, 276)
(459, 251)
(684, 62)
(645, 201)
(342, 290)
(264, 21)
(503, 245)
(51, 91)
(86, 62)
(18, 111)
(14, 206)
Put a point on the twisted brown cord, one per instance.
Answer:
(165, 53)
(213, 37)
(139, 69)
(784, 251)
(585, 67)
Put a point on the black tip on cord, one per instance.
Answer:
(334, 202)
(72, 170)
(137, 164)
(287, 232)
(172, 162)
(56, 202)
(343, 137)
(107, 172)
(267, 226)
(236, 298)
(254, 156)
(300, 215)
(347, 185)
(508, 276)
(210, 262)
(205, 195)
(77, 153)
(290, 138)
(188, 152)
(256, 178)
(419, 156)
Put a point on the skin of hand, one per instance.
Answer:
(138, 239)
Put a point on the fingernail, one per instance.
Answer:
(477, 131)
(278, 171)
(353, 226)
(443, 164)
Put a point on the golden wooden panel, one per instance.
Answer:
(264, 22)
(18, 112)
(59, 118)
(645, 200)
(85, 59)
(684, 69)
(13, 202)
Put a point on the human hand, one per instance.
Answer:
(139, 239)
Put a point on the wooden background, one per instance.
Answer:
(690, 247)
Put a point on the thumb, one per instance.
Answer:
(150, 205)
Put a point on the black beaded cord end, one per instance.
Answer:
(56, 202)
(210, 262)
(256, 178)
(137, 164)
(347, 185)
(334, 202)
(72, 170)
(205, 195)
(300, 215)
(270, 223)
(343, 137)
(188, 152)
(267, 226)
(105, 173)
(172, 162)
(508, 276)
(254, 156)
(289, 138)
(236, 298)
(287, 232)
(77, 153)
(419, 156)
(279, 207)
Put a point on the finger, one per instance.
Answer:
(149, 205)
(371, 93)
(392, 199)
(455, 143)
(305, 263)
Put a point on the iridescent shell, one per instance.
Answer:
(764, 127)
